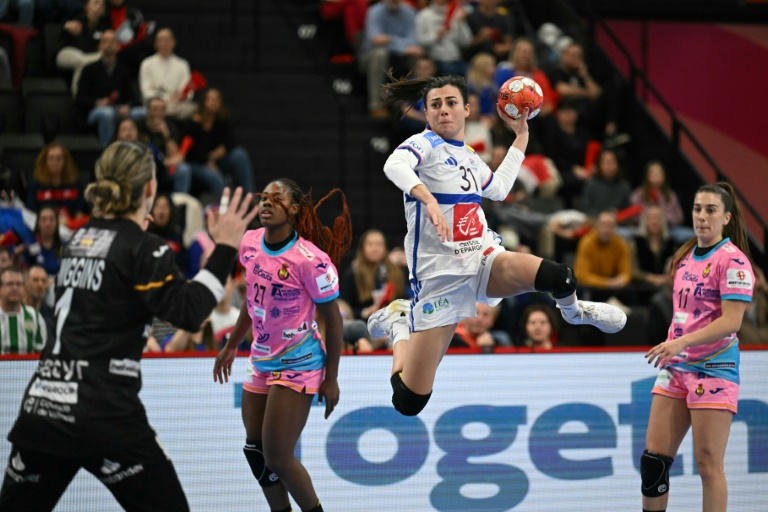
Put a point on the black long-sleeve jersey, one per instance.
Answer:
(113, 279)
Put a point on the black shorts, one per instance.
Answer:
(139, 475)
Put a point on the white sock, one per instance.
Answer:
(400, 332)
(569, 304)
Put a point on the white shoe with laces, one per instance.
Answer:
(605, 317)
(381, 322)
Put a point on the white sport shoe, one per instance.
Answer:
(605, 317)
(381, 322)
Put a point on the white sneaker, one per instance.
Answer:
(605, 317)
(381, 322)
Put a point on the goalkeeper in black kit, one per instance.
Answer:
(81, 408)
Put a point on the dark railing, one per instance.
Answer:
(638, 77)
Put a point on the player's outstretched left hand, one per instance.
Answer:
(329, 391)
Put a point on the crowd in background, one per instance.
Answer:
(572, 201)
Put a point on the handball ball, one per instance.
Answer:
(517, 93)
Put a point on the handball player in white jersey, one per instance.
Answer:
(453, 258)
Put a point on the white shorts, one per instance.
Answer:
(445, 300)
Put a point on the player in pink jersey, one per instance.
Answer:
(698, 385)
(288, 278)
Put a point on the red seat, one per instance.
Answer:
(20, 36)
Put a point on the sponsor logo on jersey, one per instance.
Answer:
(160, 250)
(466, 222)
(291, 311)
(124, 367)
(264, 349)
(109, 467)
(321, 266)
(122, 475)
(696, 313)
(296, 360)
(706, 294)
(91, 243)
(438, 305)
(486, 253)
(327, 281)
(259, 313)
(303, 249)
(729, 248)
(17, 463)
(260, 272)
(55, 391)
(249, 257)
(681, 318)
(451, 161)
(687, 276)
(716, 390)
(737, 261)
(433, 138)
(275, 312)
(726, 364)
(738, 278)
(677, 332)
(282, 293)
(263, 337)
(283, 272)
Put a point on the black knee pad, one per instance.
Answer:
(254, 454)
(555, 278)
(406, 402)
(654, 472)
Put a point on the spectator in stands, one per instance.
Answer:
(603, 261)
(214, 155)
(55, 183)
(36, 292)
(754, 328)
(165, 75)
(653, 249)
(80, 39)
(442, 30)
(491, 31)
(133, 32)
(104, 94)
(390, 42)
(165, 226)
(522, 62)
(352, 13)
(476, 132)
(24, 11)
(6, 260)
(22, 328)
(572, 81)
(538, 326)
(475, 332)
(606, 189)
(163, 134)
(565, 142)
(480, 81)
(372, 281)
(412, 118)
(655, 190)
(47, 248)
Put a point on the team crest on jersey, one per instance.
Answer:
(283, 272)
(700, 390)
(466, 222)
(707, 270)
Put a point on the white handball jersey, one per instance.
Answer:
(458, 179)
